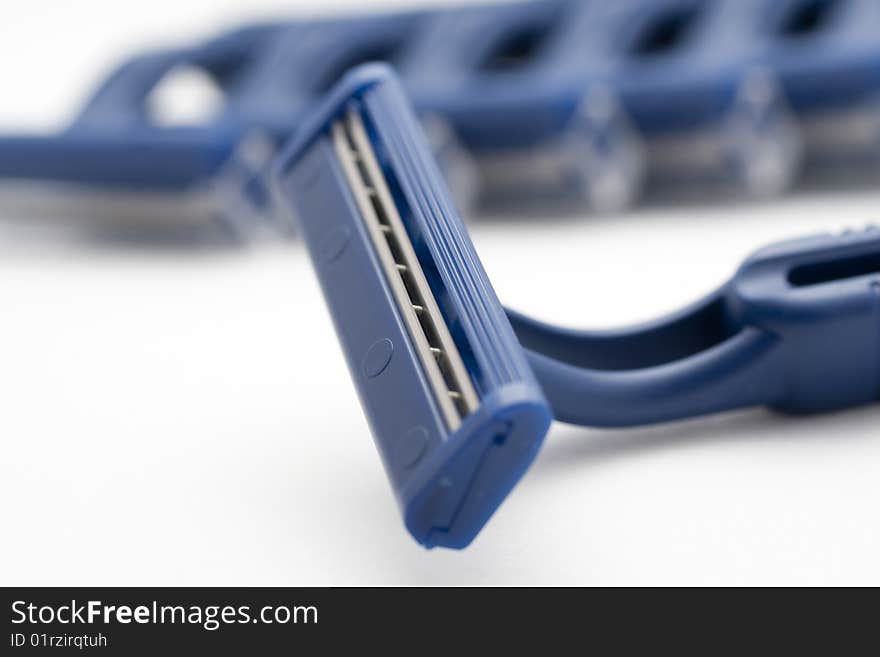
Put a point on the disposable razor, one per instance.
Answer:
(829, 63)
(124, 165)
(447, 377)
(749, 92)
(542, 127)
(187, 181)
(454, 409)
(116, 166)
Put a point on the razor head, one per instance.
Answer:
(453, 406)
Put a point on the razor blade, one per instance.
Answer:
(454, 409)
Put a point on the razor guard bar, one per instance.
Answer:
(449, 474)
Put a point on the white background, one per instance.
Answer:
(185, 417)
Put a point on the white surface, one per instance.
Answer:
(176, 417)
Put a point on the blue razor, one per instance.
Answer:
(119, 160)
(829, 66)
(447, 377)
(510, 81)
(454, 408)
(749, 90)
(797, 329)
(116, 162)
(540, 101)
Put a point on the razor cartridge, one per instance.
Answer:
(454, 409)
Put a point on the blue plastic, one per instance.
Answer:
(114, 147)
(447, 482)
(114, 143)
(551, 97)
(676, 64)
(515, 86)
(743, 76)
(169, 160)
(797, 329)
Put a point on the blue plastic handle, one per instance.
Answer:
(797, 329)
(157, 159)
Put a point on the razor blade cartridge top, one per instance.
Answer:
(454, 409)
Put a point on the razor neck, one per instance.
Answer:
(690, 364)
(796, 329)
